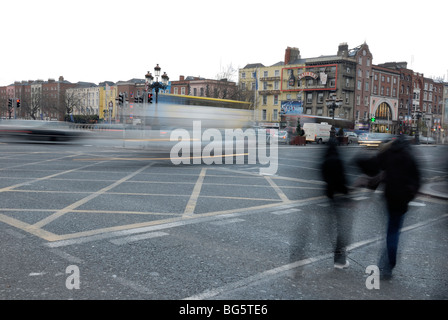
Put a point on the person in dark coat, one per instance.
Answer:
(400, 174)
(333, 173)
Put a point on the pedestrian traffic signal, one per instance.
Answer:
(372, 119)
(150, 97)
(18, 103)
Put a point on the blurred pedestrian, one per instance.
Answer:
(334, 174)
(396, 165)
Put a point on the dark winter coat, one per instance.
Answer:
(400, 173)
(333, 171)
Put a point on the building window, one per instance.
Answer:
(366, 86)
(243, 75)
(243, 86)
(309, 98)
(319, 111)
(288, 96)
(176, 90)
(320, 97)
(265, 73)
(277, 73)
(359, 85)
(275, 99)
(264, 114)
(182, 91)
(276, 85)
(360, 73)
(265, 100)
(347, 82)
(275, 115)
(265, 85)
(357, 114)
(202, 92)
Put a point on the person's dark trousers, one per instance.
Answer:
(389, 257)
(342, 219)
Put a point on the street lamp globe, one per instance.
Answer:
(149, 78)
(165, 78)
(157, 71)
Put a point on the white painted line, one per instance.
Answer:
(66, 256)
(227, 221)
(417, 204)
(360, 198)
(265, 275)
(149, 235)
(286, 211)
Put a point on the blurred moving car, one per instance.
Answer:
(352, 137)
(375, 139)
(282, 136)
(37, 130)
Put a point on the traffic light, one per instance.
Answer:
(18, 103)
(150, 97)
(120, 99)
(140, 99)
(10, 103)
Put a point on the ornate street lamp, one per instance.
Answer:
(156, 85)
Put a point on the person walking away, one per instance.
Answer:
(396, 164)
(333, 173)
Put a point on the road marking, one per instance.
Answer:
(275, 272)
(277, 189)
(286, 211)
(227, 221)
(78, 203)
(360, 198)
(143, 236)
(66, 256)
(417, 204)
(191, 205)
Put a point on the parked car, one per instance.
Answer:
(375, 139)
(352, 137)
(427, 140)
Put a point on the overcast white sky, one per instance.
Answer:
(98, 40)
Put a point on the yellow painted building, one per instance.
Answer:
(107, 104)
(267, 89)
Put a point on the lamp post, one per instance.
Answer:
(332, 104)
(418, 115)
(156, 85)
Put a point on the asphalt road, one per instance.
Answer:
(117, 220)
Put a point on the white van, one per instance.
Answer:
(317, 132)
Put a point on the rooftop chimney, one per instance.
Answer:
(343, 49)
(291, 54)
